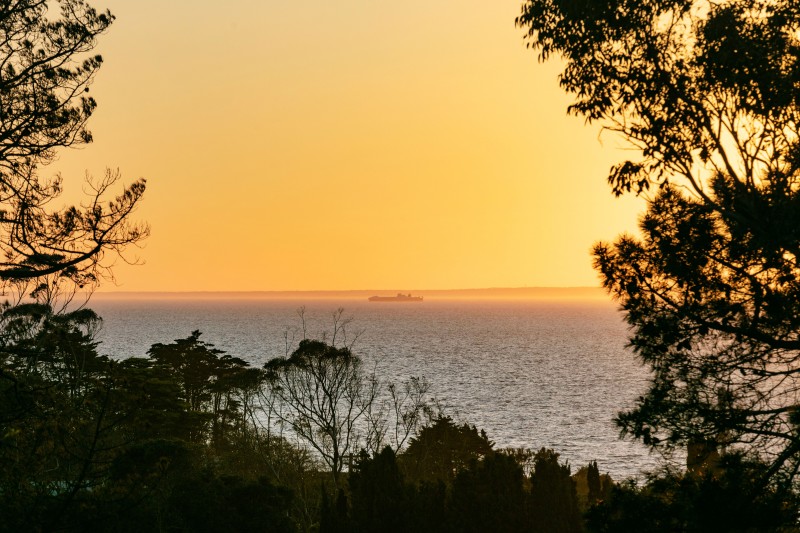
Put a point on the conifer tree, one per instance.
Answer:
(593, 481)
(46, 70)
(708, 95)
(554, 501)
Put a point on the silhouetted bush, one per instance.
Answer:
(488, 495)
(380, 498)
(731, 498)
(554, 501)
(442, 449)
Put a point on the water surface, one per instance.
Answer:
(531, 373)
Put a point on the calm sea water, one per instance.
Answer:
(531, 373)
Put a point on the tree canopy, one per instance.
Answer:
(322, 394)
(708, 93)
(46, 69)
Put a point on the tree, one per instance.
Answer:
(591, 486)
(396, 416)
(333, 517)
(554, 500)
(442, 449)
(215, 385)
(46, 68)
(731, 499)
(322, 394)
(709, 94)
(488, 495)
(381, 500)
(210, 503)
(593, 483)
(70, 422)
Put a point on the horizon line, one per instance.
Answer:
(487, 292)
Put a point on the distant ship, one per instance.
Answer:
(399, 298)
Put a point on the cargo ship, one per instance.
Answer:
(399, 298)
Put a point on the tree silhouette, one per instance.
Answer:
(215, 385)
(731, 499)
(708, 94)
(46, 68)
(322, 394)
(488, 495)
(380, 496)
(442, 449)
(553, 500)
(72, 422)
(593, 482)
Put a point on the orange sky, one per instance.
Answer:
(354, 144)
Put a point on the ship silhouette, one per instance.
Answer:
(399, 298)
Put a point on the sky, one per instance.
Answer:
(356, 144)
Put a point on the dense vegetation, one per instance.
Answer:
(190, 438)
(180, 441)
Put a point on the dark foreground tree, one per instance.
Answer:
(471, 487)
(82, 436)
(593, 483)
(553, 500)
(488, 495)
(732, 498)
(381, 500)
(709, 94)
(46, 68)
(216, 386)
(442, 449)
(90, 443)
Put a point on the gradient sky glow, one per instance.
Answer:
(355, 144)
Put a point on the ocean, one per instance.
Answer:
(532, 373)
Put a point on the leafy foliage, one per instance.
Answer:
(489, 495)
(489, 492)
(442, 449)
(221, 387)
(708, 94)
(84, 438)
(732, 498)
(380, 497)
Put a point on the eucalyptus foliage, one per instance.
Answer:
(321, 393)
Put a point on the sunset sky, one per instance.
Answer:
(355, 144)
